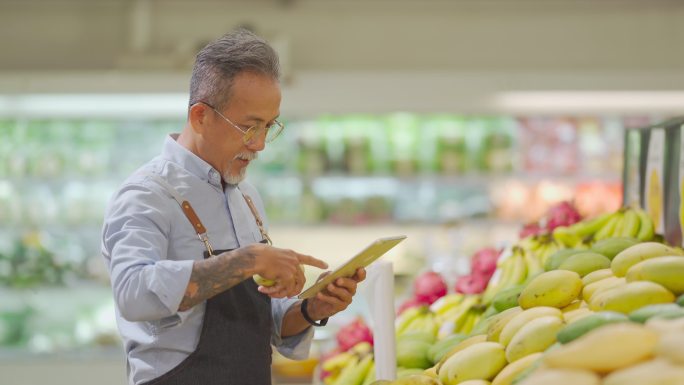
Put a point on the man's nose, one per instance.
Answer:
(257, 142)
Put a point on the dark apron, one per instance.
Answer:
(234, 347)
(235, 343)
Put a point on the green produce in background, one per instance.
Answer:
(645, 313)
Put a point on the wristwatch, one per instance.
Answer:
(308, 319)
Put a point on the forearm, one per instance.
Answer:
(293, 321)
(215, 275)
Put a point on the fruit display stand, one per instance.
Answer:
(594, 302)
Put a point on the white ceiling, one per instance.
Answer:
(352, 55)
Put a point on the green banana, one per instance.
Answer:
(607, 230)
(645, 313)
(408, 316)
(590, 227)
(413, 353)
(585, 263)
(507, 298)
(630, 224)
(566, 236)
(646, 227)
(442, 347)
(555, 259)
(532, 264)
(370, 375)
(349, 372)
(613, 246)
(519, 271)
(583, 326)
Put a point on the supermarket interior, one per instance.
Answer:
(495, 134)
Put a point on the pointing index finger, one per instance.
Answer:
(311, 261)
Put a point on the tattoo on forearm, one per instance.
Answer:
(215, 275)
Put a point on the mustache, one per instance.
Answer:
(247, 155)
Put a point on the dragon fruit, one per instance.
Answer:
(483, 262)
(429, 287)
(353, 333)
(562, 214)
(471, 284)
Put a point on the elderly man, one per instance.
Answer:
(184, 236)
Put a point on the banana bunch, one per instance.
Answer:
(540, 246)
(630, 222)
(418, 319)
(350, 367)
(459, 318)
(511, 271)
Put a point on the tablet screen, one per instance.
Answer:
(364, 258)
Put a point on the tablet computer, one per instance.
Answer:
(364, 258)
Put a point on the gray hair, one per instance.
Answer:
(217, 64)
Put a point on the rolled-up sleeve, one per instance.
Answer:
(146, 285)
(295, 347)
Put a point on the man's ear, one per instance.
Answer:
(198, 117)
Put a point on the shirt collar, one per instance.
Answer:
(190, 162)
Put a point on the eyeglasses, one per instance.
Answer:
(251, 132)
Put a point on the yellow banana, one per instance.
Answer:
(654, 372)
(599, 286)
(446, 303)
(534, 337)
(472, 318)
(576, 315)
(500, 321)
(362, 348)
(337, 362)
(370, 375)
(475, 382)
(512, 370)
(667, 271)
(348, 370)
(671, 347)
(532, 264)
(481, 361)
(562, 377)
(459, 315)
(605, 349)
(665, 326)
(461, 346)
(631, 296)
(521, 319)
(640, 252)
(417, 379)
(576, 304)
(596, 275)
(519, 271)
(556, 288)
(646, 227)
(355, 374)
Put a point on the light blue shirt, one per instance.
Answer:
(149, 247)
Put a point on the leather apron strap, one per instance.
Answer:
(234, 347)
